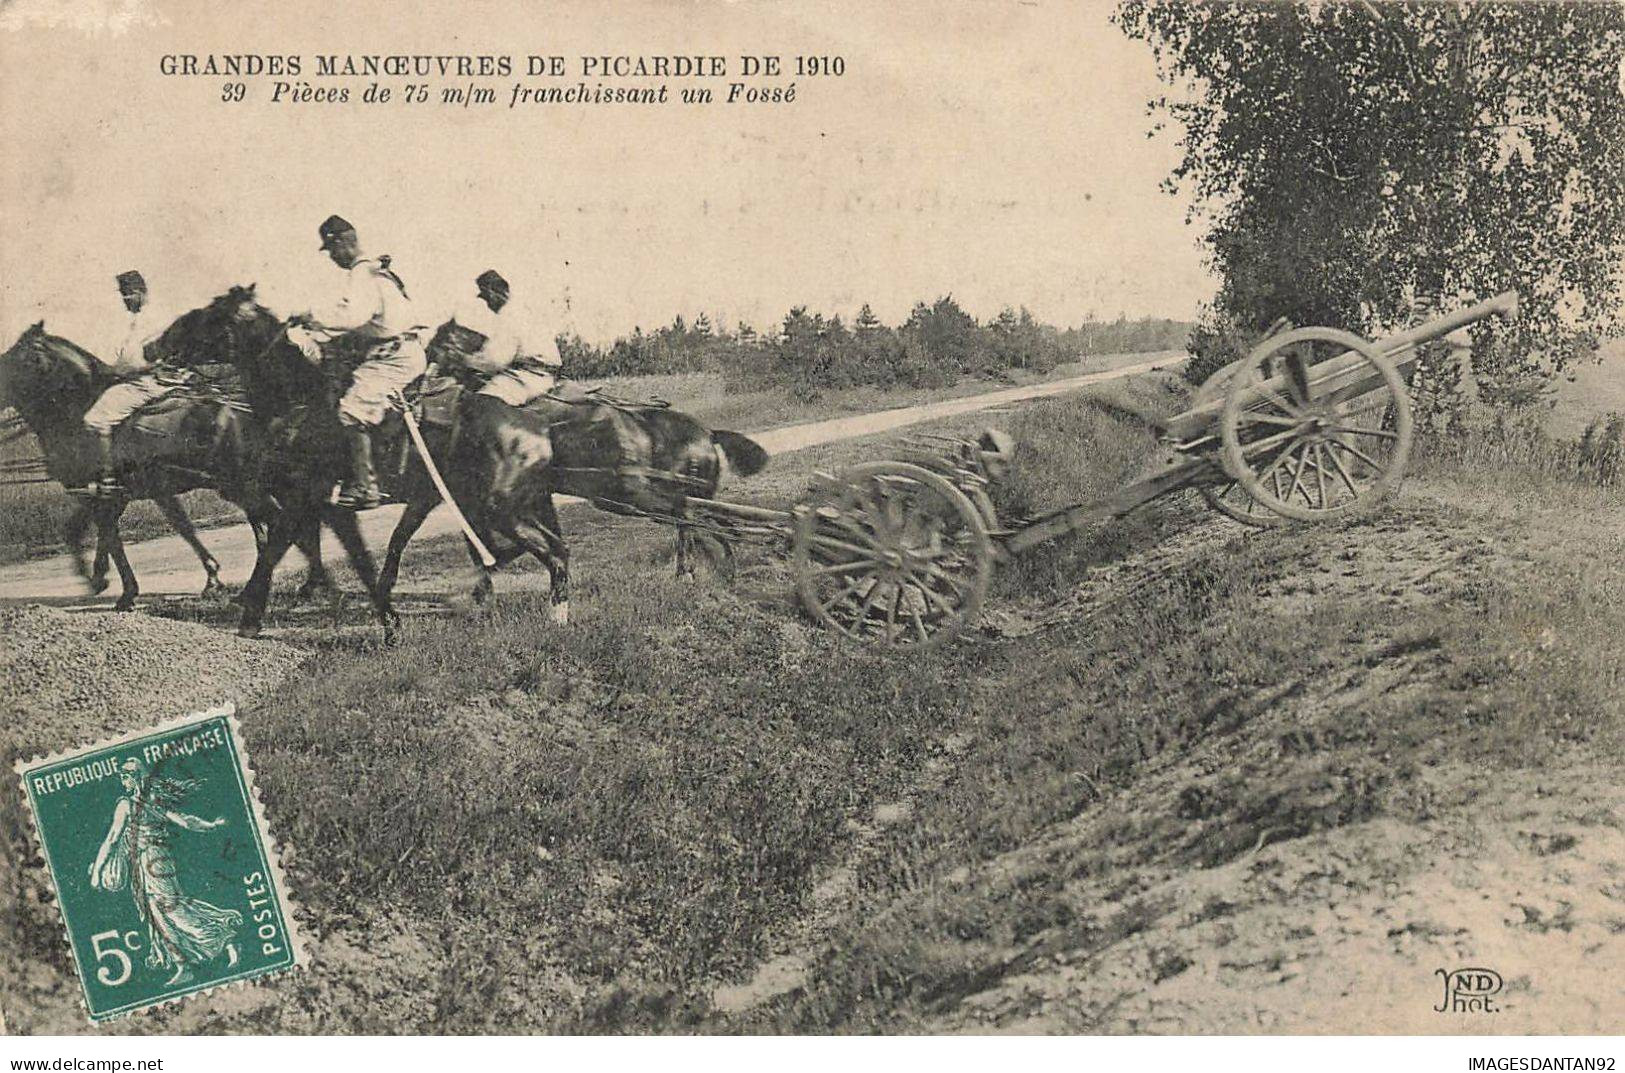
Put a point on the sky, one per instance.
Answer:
(998, 152)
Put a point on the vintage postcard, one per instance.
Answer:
(1083, 518)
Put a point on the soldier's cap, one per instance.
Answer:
(491, 280)
(131, 281)
(332, 228)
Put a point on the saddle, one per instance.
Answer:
(190, 422)
(434, 399)
(188, 389)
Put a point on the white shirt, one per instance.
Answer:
(510, 337)
(129, 357)
(369, 304)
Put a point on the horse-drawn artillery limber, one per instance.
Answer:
(1314, 424)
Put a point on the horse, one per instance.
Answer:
(51, 382)
(641, 460)
(498, 463)
(277, 459)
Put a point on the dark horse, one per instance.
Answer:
(507, 463)
(502, 465)
(190, 442)
(299, 452)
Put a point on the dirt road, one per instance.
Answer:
(166, 566)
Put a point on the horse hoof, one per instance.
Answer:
(213, 590)
(482, 592)
(560, 613)
(125, 603)
(248, 633)
(97, 585)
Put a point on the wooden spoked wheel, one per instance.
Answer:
(890, 553)
(1316, 425)
(1226, 495)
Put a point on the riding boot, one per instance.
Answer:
(106, 481)
(360, 492)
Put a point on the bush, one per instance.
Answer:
(1602, 449)
(1211, 349)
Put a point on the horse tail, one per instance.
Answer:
(745, 456)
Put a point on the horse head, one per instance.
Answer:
(232, 328)
(453, 343)
(46, 375)
(277, 373)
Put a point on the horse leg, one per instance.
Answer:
(411, 520)
(724, 562)
(685, 541)
(256, 525)
(257, 593)
(543, 538)
(79, 523)
(107, 535)
(483, 586)
(170, 507)
(347, 527)
(317, 579)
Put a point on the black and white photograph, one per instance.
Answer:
(1096, 520)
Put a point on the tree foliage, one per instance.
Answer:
(1351, 161)
(809, 352)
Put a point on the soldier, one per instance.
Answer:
(372, 319)
(520, 366)
(139, 381)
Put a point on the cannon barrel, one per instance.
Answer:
(1198, 424)
(1504, 304)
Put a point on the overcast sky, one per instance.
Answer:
(997, 152)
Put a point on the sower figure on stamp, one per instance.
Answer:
(520, 366)
(182, 931)
(139, 383)
(369, 321)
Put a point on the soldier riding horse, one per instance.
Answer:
(195, 437)
(501, 464)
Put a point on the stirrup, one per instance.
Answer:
(352, 499)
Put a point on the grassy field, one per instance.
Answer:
(501, 825)
(1284, 708)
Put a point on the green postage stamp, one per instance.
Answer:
(167, 879)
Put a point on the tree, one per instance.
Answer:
(867, 321)
(1353, 160)
(949, 335)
